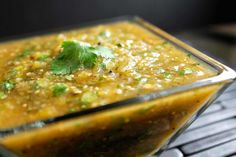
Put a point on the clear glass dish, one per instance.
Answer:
(137, 126)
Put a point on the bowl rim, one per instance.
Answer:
(224, 74)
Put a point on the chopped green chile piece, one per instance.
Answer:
(72, 110)
(2, 95)
(69, 77)
(188, 71)
(181, 72)
(59, 89)
(88, 97)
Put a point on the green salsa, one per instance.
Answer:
(58, 74)
(115, 61)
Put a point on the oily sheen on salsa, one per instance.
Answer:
(52, 75)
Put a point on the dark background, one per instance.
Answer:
(23, 16)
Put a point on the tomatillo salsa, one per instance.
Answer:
(53, 75)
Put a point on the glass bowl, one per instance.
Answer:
(138, 126)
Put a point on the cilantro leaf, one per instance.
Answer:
(185, 71)
(8, 85)
(75, 55)
(103, 52)
(167, 75)
(43, 57)
(25, 53)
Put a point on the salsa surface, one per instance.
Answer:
(141, 63)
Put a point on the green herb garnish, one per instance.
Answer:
(103, 52)
(167, 75)
(185, 71)
(25, 53)
(181, 73)
(75, 55)
(105, 34)
(59, 89)
(103, 66)
(11, 73)
(43, 57)
(8, 85)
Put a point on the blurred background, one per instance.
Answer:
(172, 15)
(205, 24)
